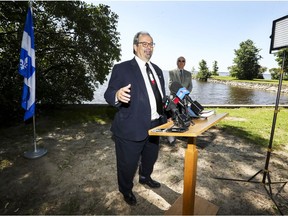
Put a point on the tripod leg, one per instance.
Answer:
(279, 191)
(254, 175)
(270, 195)
(269, 182)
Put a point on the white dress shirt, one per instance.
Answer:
(152, 100)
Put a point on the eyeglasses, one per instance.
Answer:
(181, 60)
(146, 44)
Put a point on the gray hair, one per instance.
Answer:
(136, 38)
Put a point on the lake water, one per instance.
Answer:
(214, 94)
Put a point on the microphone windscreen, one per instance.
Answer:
(176, 100)
(175, 86)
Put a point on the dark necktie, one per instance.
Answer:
(181, 76)
(155, 89)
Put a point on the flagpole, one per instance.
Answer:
(34, 134)
(37, 152)
(27, 70)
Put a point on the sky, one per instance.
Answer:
(197, 30)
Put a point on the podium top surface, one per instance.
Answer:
(200, 126)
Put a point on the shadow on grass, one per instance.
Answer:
(250, 137)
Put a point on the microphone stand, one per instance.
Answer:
(266, 180)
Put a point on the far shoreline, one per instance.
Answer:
(262, 86)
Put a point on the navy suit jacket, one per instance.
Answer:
(133, 120)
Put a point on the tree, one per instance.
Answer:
(215, 69)
(275, 72)
(193, 71)
(261, 71)
(203, 73)
(279, 58)
(76, 46)
(246, 61)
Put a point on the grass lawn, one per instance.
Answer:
(255, 124)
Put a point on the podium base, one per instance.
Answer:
(35, 154)
(202, 207)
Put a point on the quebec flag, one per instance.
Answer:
(27, 67)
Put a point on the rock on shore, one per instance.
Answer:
(262, 86)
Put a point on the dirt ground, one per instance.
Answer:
(78, 174)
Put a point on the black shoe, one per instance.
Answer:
(150, 182)
(130, 199)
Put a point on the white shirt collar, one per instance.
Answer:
(141, 63)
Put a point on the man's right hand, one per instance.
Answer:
(123, 94)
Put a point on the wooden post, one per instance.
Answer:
(190, 173)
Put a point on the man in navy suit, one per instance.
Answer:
(131, 91)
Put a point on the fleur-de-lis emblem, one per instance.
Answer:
(23, 64)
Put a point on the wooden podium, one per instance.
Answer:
(188, 203)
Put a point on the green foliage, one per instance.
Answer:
(76, 45)
(275, 72)
(215, 69)
(204, 72)
(246, 64)
(280, 56)
(261, 71)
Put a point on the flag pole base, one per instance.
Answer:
(35, 154)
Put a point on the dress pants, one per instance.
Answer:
(130, 154)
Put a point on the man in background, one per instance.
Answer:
(183, 77)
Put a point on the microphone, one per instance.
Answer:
(180, 119)
(177, 101)
(167, 103)
(191, 113)
(181, 92)
(170, 99)
(170, 105)
(193, 108)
